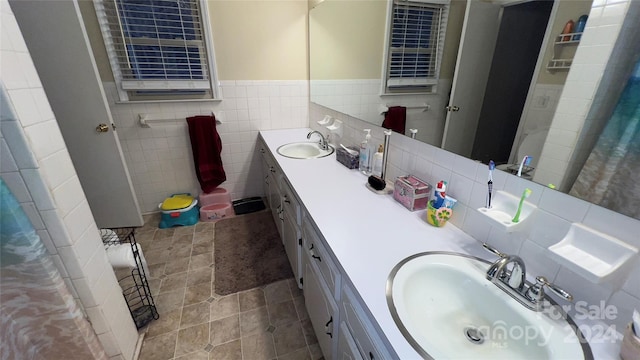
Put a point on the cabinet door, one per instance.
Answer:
(364, 334)
(347, 349)
(275, 199)
(292, 244)
(266, 180)
(322, 309)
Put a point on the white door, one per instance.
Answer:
(477, 43)
(58, 43)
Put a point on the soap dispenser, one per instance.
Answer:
(365, 153)
(376, 167)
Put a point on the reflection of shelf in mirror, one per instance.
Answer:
(591, 254)
(503, 208)
(559, 64)
(567, 39)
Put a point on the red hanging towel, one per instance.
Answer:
(395, 119)
(206, 146)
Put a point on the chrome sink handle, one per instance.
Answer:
(536, 292)
(493, 250)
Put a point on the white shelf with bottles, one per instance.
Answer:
(557, 62)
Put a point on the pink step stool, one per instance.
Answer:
(215, 205)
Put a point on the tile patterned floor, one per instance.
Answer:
(264, 323)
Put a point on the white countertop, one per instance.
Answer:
(368, 233)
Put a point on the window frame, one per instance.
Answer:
(175, 91)
(431, 85)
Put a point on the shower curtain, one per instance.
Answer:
(609, 177)
(39, 318)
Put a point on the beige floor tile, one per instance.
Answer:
(201, 261)
(154, 286)
(182, 240)
(309, 335)
(253, 321)
(198, 355)
(161, 347)
(288, 338)
(277, 292)
(156, 270)
(316, 352)
(202, 227)
(159, 256)
(300, 354)
(258, 347)
(197, 293)
(195, 314)
(199, 276)
(169, 300)
(168, 322)
(173, 282)
(176, 266)
(192, 339)
(251, 299)
(227, 351)
(301, 308)
(203, 239)
(224, 307)
(282, 313)
(293, 287)
(161, 244)
(181, 252)
(224, 330)
(202, 248)
(164, 233)
(182, 230)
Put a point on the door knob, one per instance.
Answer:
(101, 128)
(452, 108)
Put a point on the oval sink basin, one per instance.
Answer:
(304, 150)
(447, 309)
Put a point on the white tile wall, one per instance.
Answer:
(38, 169)
(160, 159)
(556, 211)
(361, 98)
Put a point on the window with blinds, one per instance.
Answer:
(158, 46)
(415, 42)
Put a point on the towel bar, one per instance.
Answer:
(146, 122)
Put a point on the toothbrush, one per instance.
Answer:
(525, 194)
(525, 162)
(492, 167)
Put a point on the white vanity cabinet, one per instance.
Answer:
(347, 349)
(321, 306)
(291, 230)
(285, 208)
(364, 335)
(340, 323)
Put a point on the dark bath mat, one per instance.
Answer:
(248, 253)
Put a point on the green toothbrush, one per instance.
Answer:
(525, 194)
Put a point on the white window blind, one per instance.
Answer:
(416, 38)
(157, 45)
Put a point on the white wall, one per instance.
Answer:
(36, 166)
(160, 159)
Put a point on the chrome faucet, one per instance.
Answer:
(514, 282)
(324, 145)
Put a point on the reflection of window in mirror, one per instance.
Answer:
(415, 38)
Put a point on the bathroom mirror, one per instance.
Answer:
(496, 39)
(347, 47)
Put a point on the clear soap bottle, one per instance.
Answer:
(365, 154)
